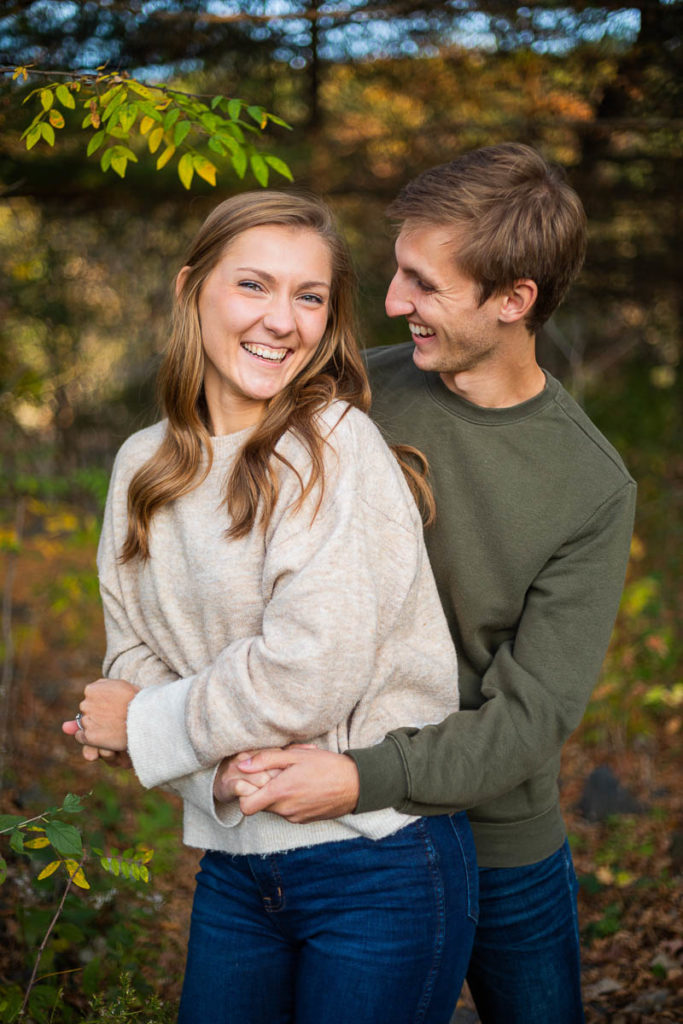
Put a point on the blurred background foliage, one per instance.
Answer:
(376, 91)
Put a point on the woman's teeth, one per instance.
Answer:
(275, 355)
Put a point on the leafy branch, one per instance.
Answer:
(120, 111)
(48, 829)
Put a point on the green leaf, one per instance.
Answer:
(181, 131)
(278, 120)
(215, 101)
(186, 169)
(65, 838)
(65, 98)
(128, 117)
(16, 841)
(105, 159)
(280, 166)
(144, 873)
(216, 145)
(239, 162)
(259, 168)
(3, 870)
(119, 164)
(234, 107)
(94, 144)
(256, 114)
(171, 118)
(235, 131)
(48, 133)
(9, 821)
(73, 804)
(115, 102)
(46, 98)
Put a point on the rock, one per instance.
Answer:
(465, 1016)
(603, 795)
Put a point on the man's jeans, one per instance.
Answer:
(525, 965)
(352, 932)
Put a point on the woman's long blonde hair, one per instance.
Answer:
(336, 371)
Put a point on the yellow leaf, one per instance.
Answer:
(49, 869)
(186, 169)
(146, 124)
(76, 874)
(165, 157)
(56, 119)
(154, 140)
(46, 98)
(37, 844)
(35, 828)
(205, 169)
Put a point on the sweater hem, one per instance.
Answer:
(516, 844)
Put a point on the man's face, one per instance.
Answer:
(451, 332)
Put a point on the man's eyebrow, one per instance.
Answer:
(270, 279)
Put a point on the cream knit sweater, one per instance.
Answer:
(325, 628)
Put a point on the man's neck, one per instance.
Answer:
(507, 378)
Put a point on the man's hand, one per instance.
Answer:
(231, 782)
(310, 785)
(104, 710)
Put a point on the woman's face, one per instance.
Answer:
(263, 310)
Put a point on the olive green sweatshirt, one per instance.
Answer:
(529, 550)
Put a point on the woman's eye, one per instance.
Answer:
(253, 286)
(317, 300)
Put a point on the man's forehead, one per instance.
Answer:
(424, 240)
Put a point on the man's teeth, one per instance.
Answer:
(276, 355)
(422, 332)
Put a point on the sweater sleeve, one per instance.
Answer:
(535, 690)
(129, 657)
(332, 585)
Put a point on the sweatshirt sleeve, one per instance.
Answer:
(535, 690)
(332, 586)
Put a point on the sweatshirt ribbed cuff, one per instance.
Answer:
(383, 779)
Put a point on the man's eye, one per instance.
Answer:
(423, 286)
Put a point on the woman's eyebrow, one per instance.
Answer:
(270, 279)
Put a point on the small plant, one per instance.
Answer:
(49, 832)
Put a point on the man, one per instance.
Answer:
(529, 549)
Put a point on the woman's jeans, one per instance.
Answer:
(351, 932)
(525, 966)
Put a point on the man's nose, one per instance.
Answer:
(397, 302)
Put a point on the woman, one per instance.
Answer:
(265, 581)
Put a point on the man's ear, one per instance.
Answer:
(516, 303)
(181, 279)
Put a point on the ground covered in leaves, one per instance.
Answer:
(630, 864)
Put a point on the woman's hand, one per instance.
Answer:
(230, 782)
(104, 710)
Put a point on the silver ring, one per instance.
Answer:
(79, 720)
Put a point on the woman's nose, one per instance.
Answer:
(279, 318)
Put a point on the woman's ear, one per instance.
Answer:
(518, 301)
(181, 279)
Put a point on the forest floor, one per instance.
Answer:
(630, 865)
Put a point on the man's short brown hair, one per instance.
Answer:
(514, 216)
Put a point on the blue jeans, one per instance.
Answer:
(525, 965)
(352, 932)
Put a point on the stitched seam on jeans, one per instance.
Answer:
(440, 907)
(468, 875)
